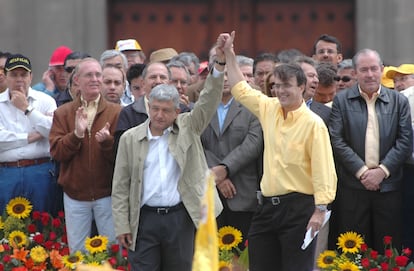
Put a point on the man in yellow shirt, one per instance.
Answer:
(299, 178)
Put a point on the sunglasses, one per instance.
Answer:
(343, 78)
(69, 69)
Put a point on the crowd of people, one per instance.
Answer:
(123, 145)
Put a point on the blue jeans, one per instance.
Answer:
(36, 183)
(78, 216)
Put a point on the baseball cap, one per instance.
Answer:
(17, 61)
(203, 67)
(403, 69)
(164, 54)
(385, 81)
(128, 45)
(59, 55)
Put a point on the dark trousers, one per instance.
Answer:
(408, 207)
(370, 213)
(165, 241)
(277, 232)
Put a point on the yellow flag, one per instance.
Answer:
(206, 242)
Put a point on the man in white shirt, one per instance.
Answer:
(25, 122)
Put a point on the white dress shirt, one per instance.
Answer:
(15, 127)
(161, 173)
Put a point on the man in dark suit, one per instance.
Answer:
(371, 136)
(233, 144)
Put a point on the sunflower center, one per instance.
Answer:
(18, 208)
(228, 239)
(73, 259)
(350, 244)
(96, 243)
(18, 239)
(328, 260)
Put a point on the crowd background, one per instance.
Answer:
(38, 27)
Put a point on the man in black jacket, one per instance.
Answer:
(371, 135)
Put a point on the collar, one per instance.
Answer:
(295, 114)
(375, 95)
(94, 102)
(165, 132)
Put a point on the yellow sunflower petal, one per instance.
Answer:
(348, 266)
(18, 239)
(96, 244)
(19, 207)
(350, 242)
(326, 259)
(229, 237)
(70, 261)
(38, 254)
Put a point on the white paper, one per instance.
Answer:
(308, 236)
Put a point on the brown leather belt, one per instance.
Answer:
(25, 162)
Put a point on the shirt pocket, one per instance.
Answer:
(294, 154)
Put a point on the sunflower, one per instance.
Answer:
(96, 244)
(19, 207)
(229, 237)
(70, 261)
(38, 254)
(18, 239)
(350, 242)
(326, 259)
(224, 266)
(348, 266)
(1, 223)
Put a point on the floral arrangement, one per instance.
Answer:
(229, 239)
(355, 255)
(37, 241)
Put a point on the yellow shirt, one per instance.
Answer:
(297, 154)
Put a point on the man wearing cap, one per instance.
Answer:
(163, 55)
(26, 169)
(55, 79)
(402, 75)
(132, 50)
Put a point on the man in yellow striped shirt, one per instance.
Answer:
(299, 177)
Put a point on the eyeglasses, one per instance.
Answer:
(343, 78)
(69, 69)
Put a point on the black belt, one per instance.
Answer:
(276, 200)
(163, 210)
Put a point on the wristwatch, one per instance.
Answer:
(28, 110)
(321, 207)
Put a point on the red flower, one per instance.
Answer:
(374, 269)
(1, 267)
(36, 215)
(52, 236)
(364, 247)
(19, 268)
(31, 228)
(365, 262)
(57, 246)
(6, 247)
(45, 218)
(48, 245)
(112, 261)
(387, 240)
(407, 251)
(401, 260)
(395, 269)
(38, 238)
(384, 266)
(246, 243)
(61, 214)
(115, 248)
(388, 253)
(64, 239)
(64, 251)
(56, 222)
(124, 253)
(374, 254)
(6, 258)
(121, 268)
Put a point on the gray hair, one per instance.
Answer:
(179, 65)
(165, 93)
(345, 64)
(365, 51)
(108, 54)
(244, 61)
(187, 58)
(305, 59)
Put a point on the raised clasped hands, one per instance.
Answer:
(225, 43)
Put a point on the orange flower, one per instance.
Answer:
(56, 259)
(20, 254)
